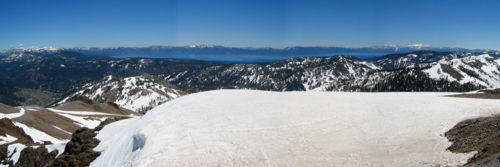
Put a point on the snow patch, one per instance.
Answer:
(37, 135)
(7, 139)
(14, 151)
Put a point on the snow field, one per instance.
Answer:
(260, 128)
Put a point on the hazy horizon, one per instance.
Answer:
(416, 45)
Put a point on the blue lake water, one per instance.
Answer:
(239, 58)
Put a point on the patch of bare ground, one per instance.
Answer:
(483, 94)
(47, 121)
(478, 134)
(7, 127)
(5, 109)
(451, 71)
(82, 103)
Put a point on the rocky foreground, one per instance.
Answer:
(36, 136)
(481, 135)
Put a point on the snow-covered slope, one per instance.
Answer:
(415, 59)
(138, 94)
(261, 128)
(394, 72)
(481, 70)
(302, 73)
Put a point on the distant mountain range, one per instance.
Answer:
(240, 54)
(30, 78)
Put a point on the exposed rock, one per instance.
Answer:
(38, 157)
(483, 94)
(479, 134)
(4, 156)
(78, 151)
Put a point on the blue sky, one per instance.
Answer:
(249, 23)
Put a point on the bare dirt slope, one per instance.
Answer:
(5, 109)
(48, 122)
(85, 104)
(483, 94)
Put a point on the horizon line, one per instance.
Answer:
(416, 45)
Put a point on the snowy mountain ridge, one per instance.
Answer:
(482, 70)
(139, 93)
(287, 75)
(61, 73)
(396, 72)
(217, 49)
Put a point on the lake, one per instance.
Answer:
(244, 58)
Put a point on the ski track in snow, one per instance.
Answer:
(260, 128)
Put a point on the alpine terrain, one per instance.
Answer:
(35, 134)
(138, 84)
(139, 93)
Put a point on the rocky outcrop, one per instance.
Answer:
(36, 157)
(78, 151)
(479, 134)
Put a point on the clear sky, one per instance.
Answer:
(249, 23)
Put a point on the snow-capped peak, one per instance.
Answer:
(418, 45)
(201, 46)
(36, 48)
(481, 70)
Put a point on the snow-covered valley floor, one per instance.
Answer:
(260, 128)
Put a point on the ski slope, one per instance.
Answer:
(260, 128)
